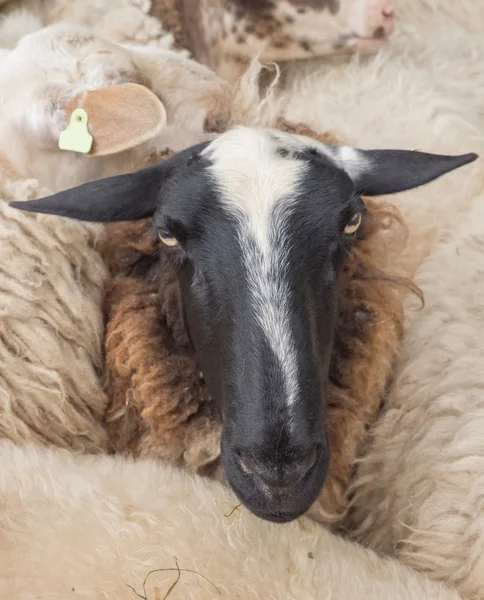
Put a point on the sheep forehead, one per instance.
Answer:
(256, 169)
(250, 174)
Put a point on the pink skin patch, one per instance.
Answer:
(287, 30)
(372, 22)
(360, 26)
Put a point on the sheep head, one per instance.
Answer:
(257, 225)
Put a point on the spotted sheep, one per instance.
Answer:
(257, 225)
(222, 33)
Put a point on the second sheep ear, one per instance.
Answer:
(120, 117)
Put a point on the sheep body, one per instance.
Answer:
(419, 491)
(114, 520)
(52, 282)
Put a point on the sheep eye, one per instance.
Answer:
(167, 239)
(353, 224)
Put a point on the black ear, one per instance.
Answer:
(128, 197)
(377, 172)
(121, 198)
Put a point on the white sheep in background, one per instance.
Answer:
(89, 527)
(419, 490)
(227, 35)
(52, 67)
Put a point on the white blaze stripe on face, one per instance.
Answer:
(352, 161)
(258, 187)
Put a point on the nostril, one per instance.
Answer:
(245, 464)
(280, 477)
(306, 463)
(379, 33)
(310, 459)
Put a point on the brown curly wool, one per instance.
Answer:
(160, 406)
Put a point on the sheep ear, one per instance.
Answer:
(120, 117)
(377, 172)
(127, 197)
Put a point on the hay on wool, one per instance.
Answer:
(113, 520)
(179, 571)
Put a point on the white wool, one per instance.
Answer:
(89, 527)
(420, 487)
(15, 25)
(52, 283)
(123, 21)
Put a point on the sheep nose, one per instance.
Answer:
(385, 23)
(388, 10)
(283, 477)
(373, 26)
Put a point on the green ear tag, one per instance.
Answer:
(76, 136)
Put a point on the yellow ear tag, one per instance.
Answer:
(76, 136)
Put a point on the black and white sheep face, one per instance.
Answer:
(258, 224)
(260, 246)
